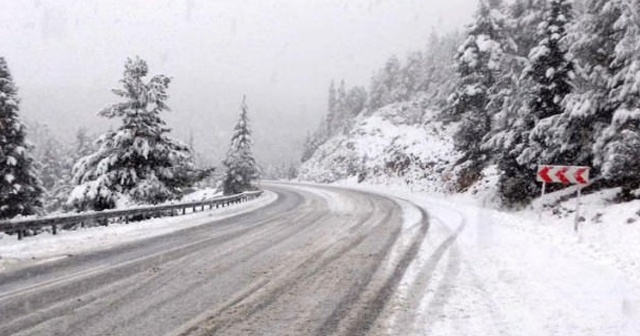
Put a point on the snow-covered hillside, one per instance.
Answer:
(400, 143)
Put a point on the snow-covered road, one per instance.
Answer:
(322, 260)
(318, 261)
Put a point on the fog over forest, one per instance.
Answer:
(66, 56)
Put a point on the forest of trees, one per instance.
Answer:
(531, 82)
(137, 163)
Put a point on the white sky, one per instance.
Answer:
(66, 55)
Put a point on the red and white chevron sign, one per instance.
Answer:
(563, 174)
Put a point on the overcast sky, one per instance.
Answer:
(66, 55)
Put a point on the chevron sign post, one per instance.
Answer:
(565, 175)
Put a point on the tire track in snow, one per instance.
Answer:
(244, 306)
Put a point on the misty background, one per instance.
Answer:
(66, 56)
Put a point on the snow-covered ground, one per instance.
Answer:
(388, 145)
(488, 272)
(46, 247)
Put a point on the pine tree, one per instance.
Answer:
(84, 144)
(616, 148)
(332, 114)
(387, 86)
(138, 161)
(570, 136)
(539, 94)
(55, 171)
(241, 169)
(20, 188)
(478, 63)
(551, 70)
(55, 160)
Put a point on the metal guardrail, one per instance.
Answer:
(20, 226)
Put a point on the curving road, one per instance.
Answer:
(318, 261)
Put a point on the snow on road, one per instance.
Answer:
(486, 272)
(46, 247)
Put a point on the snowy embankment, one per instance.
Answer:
(490, 272)
(487, 271)
(46, 247)
(401, 143)
(390, 148)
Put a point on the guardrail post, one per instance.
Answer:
(20, 234)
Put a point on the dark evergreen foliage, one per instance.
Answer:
(20, 188)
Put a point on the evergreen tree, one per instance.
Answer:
(437, 78)
(84, 144)
(55, 160)
(355, 101)
(55, 172)
(545, 83)
(138, 161)
(333, 108)
(478, 63)
(20, 188)
(387, 86)
(241, 169)
(617, 146)
(570, 136)
(551, 70)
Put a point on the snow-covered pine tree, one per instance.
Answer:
(617, 147)
(387, 85)
(437, 78)
(20, 188)
(355, 102)
(570, 136)
(478, 62)
(340, 113)
(545, 82)
(241, 170)
(83, 145)
(138, 161)
(55, 172)
(332, 113)
(55, 160)
(551, 69)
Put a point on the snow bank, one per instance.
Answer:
(511, 273)
(46, 247)
(201, 195)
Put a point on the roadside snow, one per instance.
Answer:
(201, 195)
(46, 247)
(487, 272)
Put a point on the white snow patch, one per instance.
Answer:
(47, 247)
(509, 273)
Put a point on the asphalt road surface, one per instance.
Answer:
(318, 261)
